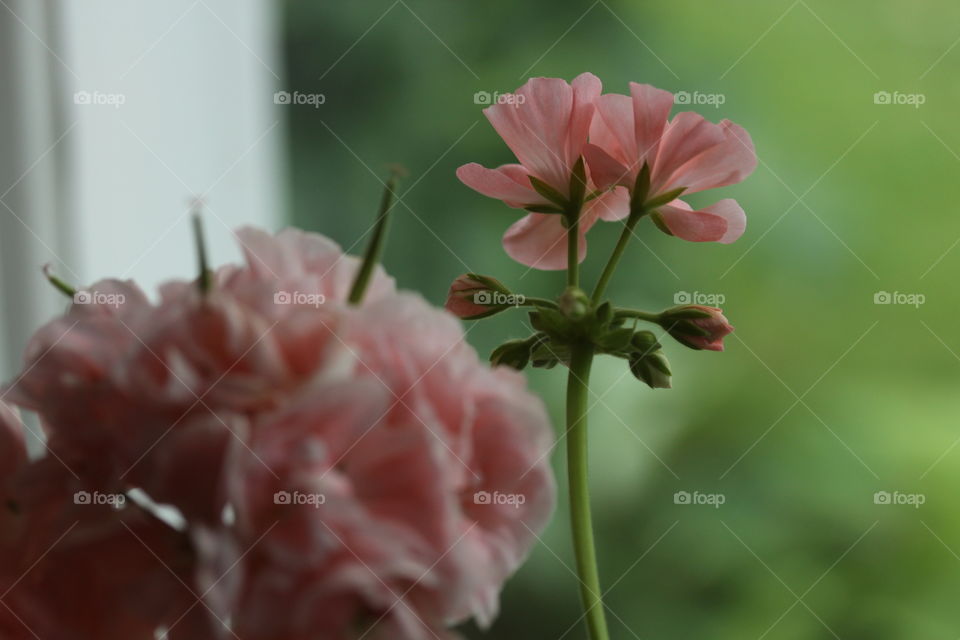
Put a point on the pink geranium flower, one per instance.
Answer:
(686, 154)
(213, 403)
(546, 124)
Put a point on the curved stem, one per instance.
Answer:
(615, 257)
(530, 301)
(580, 518)
(636, 313)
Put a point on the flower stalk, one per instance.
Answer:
(578, 475)
(371, 257)
(585, 156)
(204, 279)
(581, 520)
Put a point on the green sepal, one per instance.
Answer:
(663, 199)
(616, 342)
(641, 186)
(653, 370)
(658, 220)
(513, 353)
(685, 312)
(578, 183)
(604, 313)
(548, 192)
(546, 355)
(551, 322)
(644, 342)
(490, 283)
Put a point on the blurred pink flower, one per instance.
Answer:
(362, 494)
(687, 152)
(215, 403)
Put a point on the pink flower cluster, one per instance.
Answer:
(550, 125)
(263, 461)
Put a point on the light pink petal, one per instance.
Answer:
(651, 108)
(586, 92)
(540, 241)
(546, 123)
(604, 169)
(285, 253)
(612, 205)
(688, 135)
(726, 163)
(612, 128)
(534, 123)
(722, 222)
(500, 183)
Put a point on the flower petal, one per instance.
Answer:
(605, 170)
(722, 222)
(610, 206)
(688, 135)
(612, 129)
(540, 241)
(651, 108)
(586, 92)
(546, 123)
(724, 164)
(501, 183)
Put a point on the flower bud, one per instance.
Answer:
(651, 368)
(513, 353)
(574, 303)
(697, 326)
(473, 296)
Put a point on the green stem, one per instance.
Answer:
(204, 279)
(636, 313)
(580, 519)
(59, 284)
(615, 257)
(372, 255)
(573, 250)
(529, 301)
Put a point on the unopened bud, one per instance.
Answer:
(513, 353)
(473, 296)
(574, 303)
(697, 326)
(652, 369)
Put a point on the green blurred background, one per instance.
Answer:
(823, 397)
